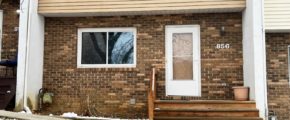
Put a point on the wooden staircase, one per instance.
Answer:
(205, 110)
(198, 109)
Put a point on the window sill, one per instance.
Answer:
(106, 66)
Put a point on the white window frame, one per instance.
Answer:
(121, 29)
(1, 31)
(288, 51)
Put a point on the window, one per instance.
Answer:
(106, 47)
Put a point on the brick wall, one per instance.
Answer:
(9, 36)
(278, 78)
(108, 90)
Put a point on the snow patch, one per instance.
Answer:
(69, 115)
(74, 115)
(22, 112)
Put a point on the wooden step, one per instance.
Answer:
(207, 113)
(205, 108)
(208, 104)
(204, 101)
(207, 118)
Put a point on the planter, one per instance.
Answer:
(241, 93)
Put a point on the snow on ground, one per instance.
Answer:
(69, 115)
(73, 115)
(3, 118)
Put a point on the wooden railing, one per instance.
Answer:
(152, 95)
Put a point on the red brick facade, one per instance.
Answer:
(278, 77)
(107, 91)
(9, 35)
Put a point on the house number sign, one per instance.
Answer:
(222, 46)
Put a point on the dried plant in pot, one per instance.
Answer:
(241, 93)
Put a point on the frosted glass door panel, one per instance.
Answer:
(182, 56)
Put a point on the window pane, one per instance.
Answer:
(182, 68)
(182, 44)
(94, 47)
(182, 56)
(121, 48)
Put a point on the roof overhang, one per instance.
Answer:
(157, 12)
(76, 8)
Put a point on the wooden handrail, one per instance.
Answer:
(152, 95)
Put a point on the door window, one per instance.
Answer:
(182, 56)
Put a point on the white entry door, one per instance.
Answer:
(183, 60)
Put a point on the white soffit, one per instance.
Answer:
(219, 10)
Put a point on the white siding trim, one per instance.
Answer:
(277, 15)
(254, 55)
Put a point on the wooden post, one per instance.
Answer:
(151, 95)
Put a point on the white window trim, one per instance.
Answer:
(1, 31)
(119, 29)
(288, 55)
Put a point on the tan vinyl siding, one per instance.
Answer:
(277, 15)
(103, 7)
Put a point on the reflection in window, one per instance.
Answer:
(121, 49)
(105, 48)
(94, 47)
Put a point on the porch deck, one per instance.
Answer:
(205, 110)
(198, 109)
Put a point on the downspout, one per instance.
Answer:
(26, 108)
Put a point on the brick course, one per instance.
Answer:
(107, 91)
(277, 73)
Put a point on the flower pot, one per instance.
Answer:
(241, 93)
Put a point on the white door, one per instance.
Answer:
(183, 60)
